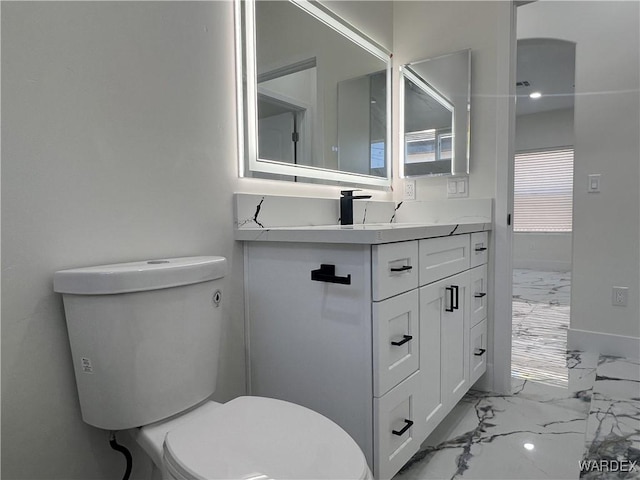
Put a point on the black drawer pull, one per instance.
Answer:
(404, 268)
(480, 295)
(481, 249)
(327, 273)
(404, 429)
(480, 352)
(405, 339)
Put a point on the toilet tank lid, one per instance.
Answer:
(139, 276)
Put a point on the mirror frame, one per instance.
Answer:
(461, 118)
(246, 45)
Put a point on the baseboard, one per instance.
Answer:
(603, 343)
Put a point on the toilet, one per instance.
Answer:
(145, 342)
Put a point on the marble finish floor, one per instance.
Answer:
(541, 431)
(540, 324)
(613, 427)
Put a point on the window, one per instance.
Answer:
(543, 191)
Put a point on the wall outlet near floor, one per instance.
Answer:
(409, 189)
(620, 296)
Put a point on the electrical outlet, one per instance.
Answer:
(409, 189)
(620, 296)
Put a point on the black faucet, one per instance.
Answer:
(346, 206)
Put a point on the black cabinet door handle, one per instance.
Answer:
(404, 268)
(450, 290)
(405, 339)
(480, 295)
(327, 273)
(404, 429)
(451, 308)
(480, 352)
(481, 249)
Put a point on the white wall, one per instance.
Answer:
(543, 251)
(606, 243)
(544, 130)
(119, 143)
(429, 29)
(432, 28)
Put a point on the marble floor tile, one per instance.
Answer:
(612, 441)
(532, 435)
(618, 378)
(553, 288)
(581, 372)
(540, 323)
(539, 342)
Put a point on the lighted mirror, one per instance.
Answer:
(313, 96)
(434, 116)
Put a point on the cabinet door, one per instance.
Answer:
(454, 332)
(444, 340)
(431, 310)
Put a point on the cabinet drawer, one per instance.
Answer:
(395, 341)
(479, 294)
(443, 257)
(395, 269)
(479, 248)
(478, 354)
(396, 437)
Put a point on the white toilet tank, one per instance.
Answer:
(144, 337)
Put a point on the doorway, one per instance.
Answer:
(542, 207)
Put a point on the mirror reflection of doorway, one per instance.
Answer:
(279, 124)
(543, 198)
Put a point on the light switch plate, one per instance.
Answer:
(457, 187)
(594, 183)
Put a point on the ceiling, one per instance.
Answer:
(548, 66)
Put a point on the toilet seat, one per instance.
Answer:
(261, 438)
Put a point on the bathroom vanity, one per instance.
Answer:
(381, 328)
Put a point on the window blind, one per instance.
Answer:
(543, 191)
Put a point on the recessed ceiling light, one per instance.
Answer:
(535, 95)
(529, 446)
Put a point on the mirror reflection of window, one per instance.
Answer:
(428, 127)
(439, 88)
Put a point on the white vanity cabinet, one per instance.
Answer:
(379, 338)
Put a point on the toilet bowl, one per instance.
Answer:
(145, 338)
(252, 438)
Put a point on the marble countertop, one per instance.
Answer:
(372, 233)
